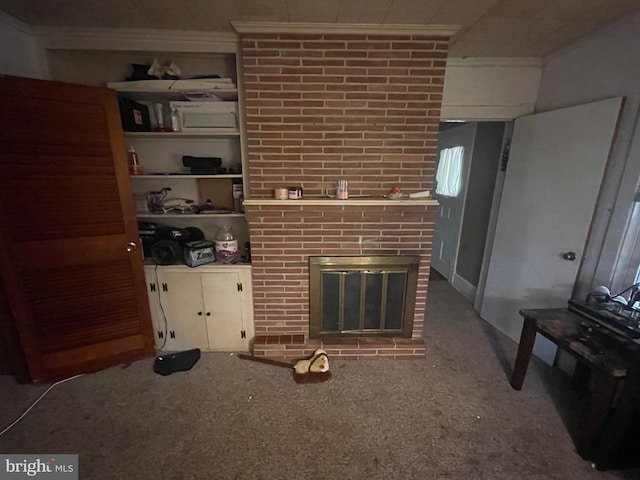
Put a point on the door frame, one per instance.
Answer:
(493, 215)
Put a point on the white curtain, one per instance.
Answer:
(449, 173)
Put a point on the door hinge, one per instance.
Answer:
(165, 287)
(152, 287)
(243, 334)
(239, 286)
(172, 334)
(505, 157)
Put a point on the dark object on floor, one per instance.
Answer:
(176, 362)
(314, 369)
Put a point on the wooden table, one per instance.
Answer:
(601, 354)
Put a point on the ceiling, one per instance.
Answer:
(490, 28)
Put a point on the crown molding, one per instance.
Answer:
(16, 24)
(73, 38)
(444, 31)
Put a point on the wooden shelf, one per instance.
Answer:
(213, 132)
(161, 175)
(350, 201)
(188, 215)
(160, 95)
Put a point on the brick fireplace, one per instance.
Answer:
(346, 104)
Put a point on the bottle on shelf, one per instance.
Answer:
(134, 162)
(158, 110)
(226, 245)
(175, 120)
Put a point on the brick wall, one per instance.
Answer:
(322, 107)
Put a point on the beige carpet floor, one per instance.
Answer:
(451, 416)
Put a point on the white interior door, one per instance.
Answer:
(446, 232)
(555, 168)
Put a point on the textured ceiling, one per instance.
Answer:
(490, 28)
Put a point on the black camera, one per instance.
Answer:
(164, 244)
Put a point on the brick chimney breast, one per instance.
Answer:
(322, 107)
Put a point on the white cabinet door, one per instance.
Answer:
(209, 307)
(158, 320)
(181, 301)
(224, 312)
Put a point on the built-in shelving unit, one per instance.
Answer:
(215, 298)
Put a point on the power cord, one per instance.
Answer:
(164, 315)
(164, 342)
(6, 429)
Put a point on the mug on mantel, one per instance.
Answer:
(341, 192)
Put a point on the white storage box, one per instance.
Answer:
(203, 116)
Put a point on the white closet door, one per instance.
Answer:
(555, 169)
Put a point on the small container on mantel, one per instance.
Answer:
(280, 193)
(295, 193)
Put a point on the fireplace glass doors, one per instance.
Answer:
(363, 296)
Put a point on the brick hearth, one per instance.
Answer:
(292, 347)
(318, 108)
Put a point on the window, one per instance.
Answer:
(449, 173)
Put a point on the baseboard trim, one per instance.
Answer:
(464, 287)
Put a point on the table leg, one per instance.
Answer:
(590, 425)
(527, 338)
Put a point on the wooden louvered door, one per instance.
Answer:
(70, 259)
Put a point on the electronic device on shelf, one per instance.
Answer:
(611, 314)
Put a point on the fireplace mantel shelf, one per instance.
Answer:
(333, 201)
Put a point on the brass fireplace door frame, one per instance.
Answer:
(384, 264)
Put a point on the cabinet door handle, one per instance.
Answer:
(208, 314)
(130, 247)
(200, 313)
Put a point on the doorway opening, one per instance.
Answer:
(471, 158)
